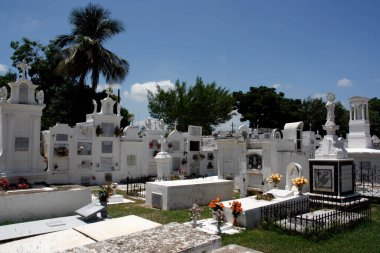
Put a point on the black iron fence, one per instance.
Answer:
(368, 179)
(305, 217)
(136, 186)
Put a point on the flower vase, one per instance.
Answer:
(218, 224)
(300, 190)
(104, 213)
(235, 223)
(194, 223)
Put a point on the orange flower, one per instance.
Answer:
(215, 204)
(236, 208)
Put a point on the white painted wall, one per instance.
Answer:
(23, 207)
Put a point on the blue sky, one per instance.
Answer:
(303, 48)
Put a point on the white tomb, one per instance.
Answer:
(20, 120)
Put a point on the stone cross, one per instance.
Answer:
(23, 66)
(175, 125)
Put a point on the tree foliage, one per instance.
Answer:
(65, 101)
(266, 108)
(374, 115)
(202, 104)
(83, 50)
(262, 106)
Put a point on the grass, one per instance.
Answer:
(363, 238)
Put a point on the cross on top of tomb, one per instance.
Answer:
(23, 66)
(175, 125)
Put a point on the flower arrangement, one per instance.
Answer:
(216, 205)
(61, 151)
(220, 218)
(275, 178)
(4, 184)
(299, 182)
(195, 212)
(98, 130)
(22, 183)
(106, 191)
(236, 208)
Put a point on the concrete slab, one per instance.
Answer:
(116, 227)
(209, 226)
(172, 237)
(32, 228)
(52, 242)
(233, 248)
(118, 200)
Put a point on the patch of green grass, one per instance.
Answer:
(156, 215)
(363, 238)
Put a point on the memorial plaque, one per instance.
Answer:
(62, 137)
(84, 148)
(21, 144)
(106, 164)
(156, 200)
(108, 129)
(323, 178)
(131, 160)
(347, 178)
(107, 147)
(89, 211)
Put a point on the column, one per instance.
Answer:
(363, 112)
(351, 112)
(10, 139)
(355, 108)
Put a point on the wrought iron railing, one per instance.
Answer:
(368, 180)
(136, 186)
(303, 217)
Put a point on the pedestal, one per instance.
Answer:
(333, 177)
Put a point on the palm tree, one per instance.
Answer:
(83, 51)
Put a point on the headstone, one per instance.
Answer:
(156, 200)
(89, 211)
(281, 193)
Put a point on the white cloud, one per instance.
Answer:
(138, 91)
(105, 86)
(282, 86)
(344, 82)
(3, 69)
(319, 95)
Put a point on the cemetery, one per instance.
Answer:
(286, 179)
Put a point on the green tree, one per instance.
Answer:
(202, 104)
(65, 102)
(83, 50)
(266, 108)
(374, 115)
